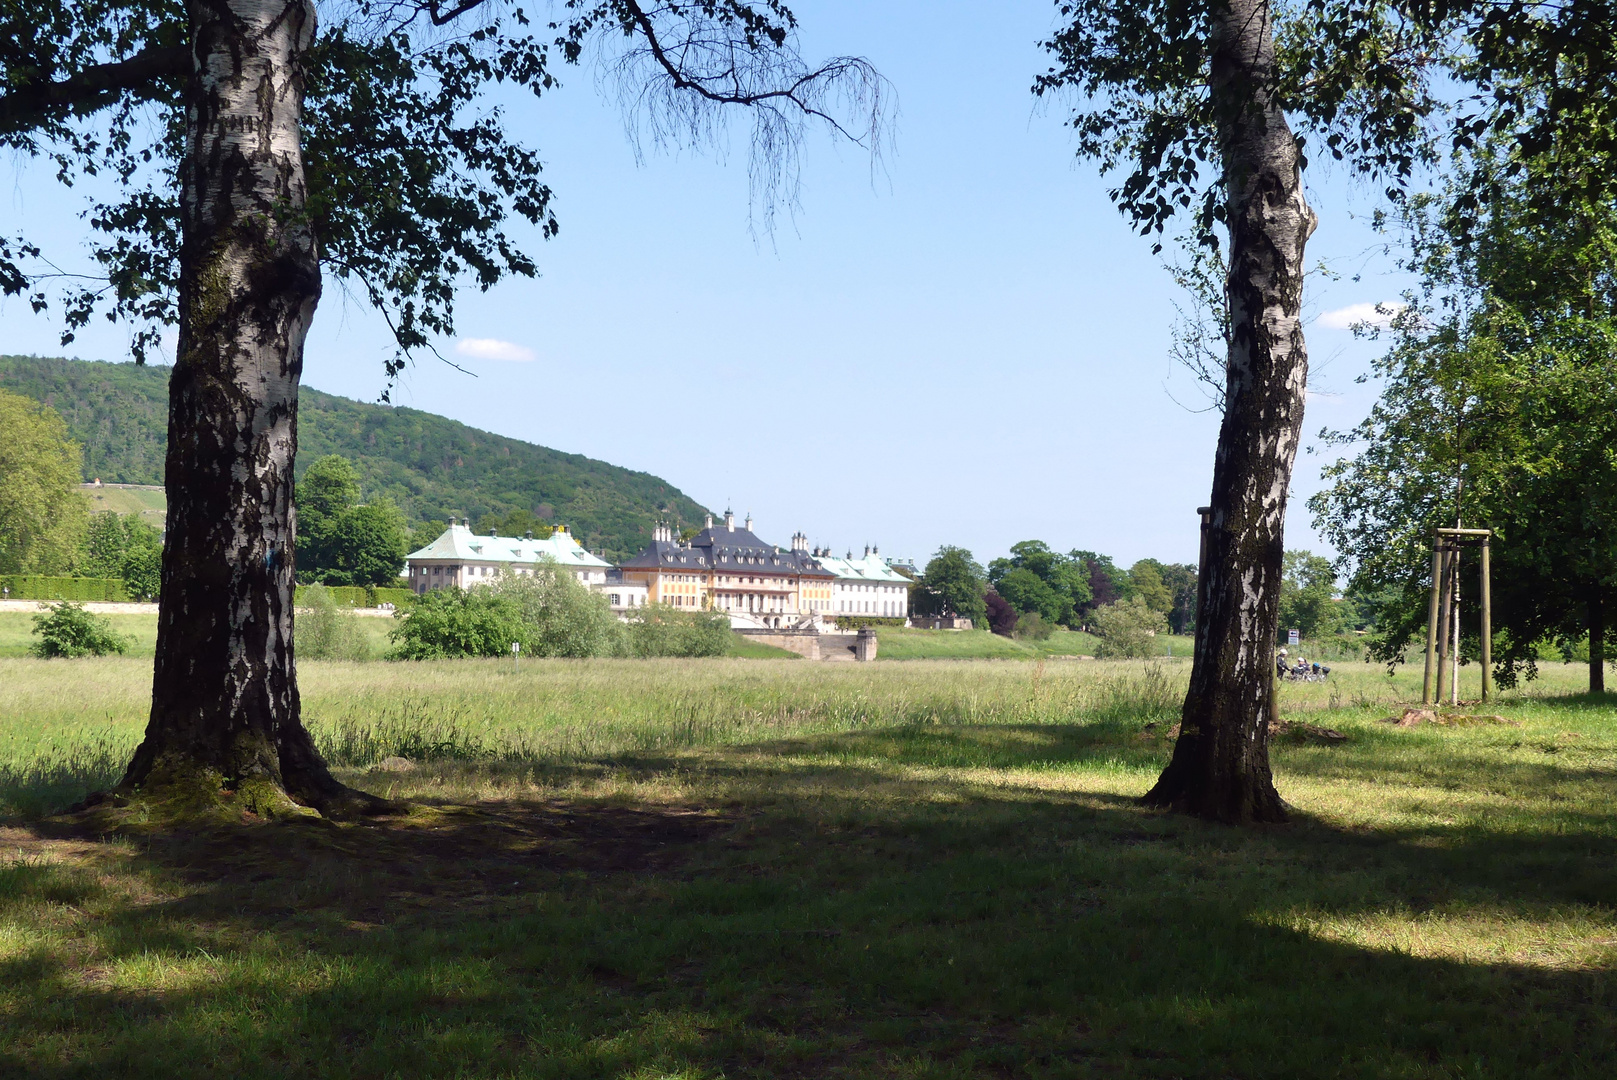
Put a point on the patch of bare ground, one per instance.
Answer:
(435, 857)
(1414, 717)
(1291, 730)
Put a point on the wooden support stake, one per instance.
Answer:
(1431, 622)
(1443, 630)
(1454, 627)
(1487, 624)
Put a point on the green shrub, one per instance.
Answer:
(1031, 626)
(450, 623)
(661, 630)
(325, 630)
(67, 630)
(1126, 629)
(41, 587)
(564, 617)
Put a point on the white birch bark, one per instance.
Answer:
(225, 700)
(1220, 766)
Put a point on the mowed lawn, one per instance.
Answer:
(758, 868)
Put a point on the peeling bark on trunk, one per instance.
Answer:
(1597, 640)
(1220, 765)
(224, 689)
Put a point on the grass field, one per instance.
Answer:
(901, 643)
(17, 637)
(744, 868)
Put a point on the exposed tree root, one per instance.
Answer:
(197, 796)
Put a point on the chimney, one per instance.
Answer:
(729, 521)
(710, 521)
(749, 523)
(867, 551)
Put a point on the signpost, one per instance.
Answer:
(1294, 637)
(516, 651)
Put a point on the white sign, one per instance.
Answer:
(1293, 637)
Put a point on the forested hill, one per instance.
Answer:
(432, 466)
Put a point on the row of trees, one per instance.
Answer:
(1037, 583)
(1036, 587)
(46, 526)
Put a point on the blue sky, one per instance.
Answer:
(967, 345)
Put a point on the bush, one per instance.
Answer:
(450, 623)
(41, 587)
(325, 630)
(1032, 627)
(661, 630)
(1125, 628)
(563, 616)
(859, 622)
(67, 630)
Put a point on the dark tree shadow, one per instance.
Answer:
(823, 915)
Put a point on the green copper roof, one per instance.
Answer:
(870, 567)
(459, 542)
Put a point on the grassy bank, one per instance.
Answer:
(726, 868)
(900, 643)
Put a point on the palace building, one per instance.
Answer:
(729, 569)
(867, 586)
(724, 568)
(463, 559)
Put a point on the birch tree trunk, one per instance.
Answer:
(225, 710)
(1220, 765)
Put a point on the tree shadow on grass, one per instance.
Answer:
(835, 918)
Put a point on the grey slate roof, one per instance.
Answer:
(727, 550)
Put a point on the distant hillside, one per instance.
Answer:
(148, 503)
(432, 466)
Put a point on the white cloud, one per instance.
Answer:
(482, 348)
(1348, 317)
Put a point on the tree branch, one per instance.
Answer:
(94, 88)
(682, 81)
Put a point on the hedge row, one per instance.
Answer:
(361, 595)
(859, 622)
(40, 587)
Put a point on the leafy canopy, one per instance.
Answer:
(1127, 629)
(342, 541)
(952, 584)
(1036, 579)
(42, 514)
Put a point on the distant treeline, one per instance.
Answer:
(1036, 589)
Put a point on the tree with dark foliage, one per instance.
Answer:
(1001, 615)
(265, 144)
